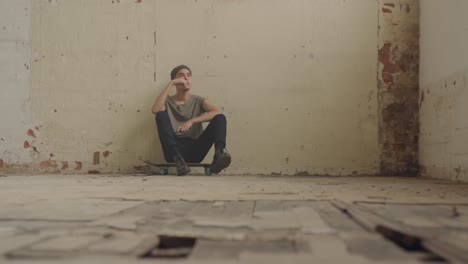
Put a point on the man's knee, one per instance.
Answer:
(219, 118)
(161, 115)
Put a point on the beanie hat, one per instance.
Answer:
(177, 69)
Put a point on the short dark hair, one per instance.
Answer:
(177, 69)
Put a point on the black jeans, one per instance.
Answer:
(192, 150)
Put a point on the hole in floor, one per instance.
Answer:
(409, 243)
(172, 247)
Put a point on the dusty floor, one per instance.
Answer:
(231, 219)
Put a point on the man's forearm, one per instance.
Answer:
(206, 117)
(158, 104)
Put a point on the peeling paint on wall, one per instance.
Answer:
(78, 165)
(48, 164)
(64, 165)
(96, 158)
(399, 86)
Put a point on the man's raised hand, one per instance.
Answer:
(180, 80)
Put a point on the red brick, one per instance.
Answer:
(391, 68)
(64, 165)
(78, 165)
(48, 163)
(387, 78)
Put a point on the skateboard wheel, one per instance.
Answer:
(207, 171)
(163, 171)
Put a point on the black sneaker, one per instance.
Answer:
(182, 167)
(221, 160)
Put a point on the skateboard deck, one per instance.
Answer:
(164, 167)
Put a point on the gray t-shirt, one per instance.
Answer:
(179, 114)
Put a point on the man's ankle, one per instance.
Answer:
(220, 146)
(221, 160)
(181, 165)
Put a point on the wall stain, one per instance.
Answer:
(31, 133)
(96, 158)
(35, 149)
(78, 165)
(422, 99)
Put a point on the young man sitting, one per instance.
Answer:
(179, 121)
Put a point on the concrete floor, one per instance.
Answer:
(235, 219)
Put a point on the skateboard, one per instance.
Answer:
(164, 167)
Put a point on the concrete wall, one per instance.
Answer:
(444, 89)
(296, 79)
(15, 82)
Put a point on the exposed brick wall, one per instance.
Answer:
(399, 86)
